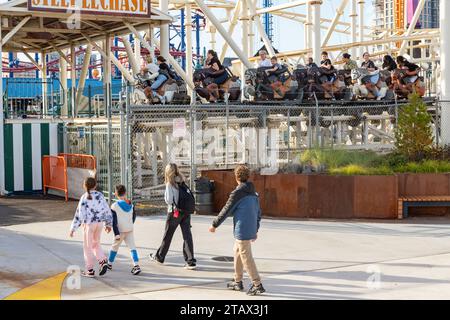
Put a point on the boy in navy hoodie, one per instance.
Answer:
(123, 220)
(243, 205)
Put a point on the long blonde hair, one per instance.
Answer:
(172, 175)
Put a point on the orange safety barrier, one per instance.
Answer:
(54, 171)
(82, 161)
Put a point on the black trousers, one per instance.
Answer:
(184, 221)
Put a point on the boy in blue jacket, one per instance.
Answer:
(243, 204)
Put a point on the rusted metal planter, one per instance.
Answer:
(335, 197)
(425, 184)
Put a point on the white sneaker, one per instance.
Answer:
(153, 258)
(191, 266)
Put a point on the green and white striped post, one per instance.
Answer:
(25, 143)
(2, 150)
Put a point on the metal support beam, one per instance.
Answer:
(412, 26)
(361, 26)
(164, 30)
(212, 33)
(130, 54)
(251, 29)
(244, 37)
(308, 27)
(233, 23)
(10, 34)
(34, 62)
(137, 51)
(445, 70)
(61, 54)
(316, 30)
(288, 5)
(63, 80)
(125, 73)
(83, 74)
(44, 84)
(339, 13)
(171, 60)
(189, 56)
(151, 39)
(354, 18)
(73, 78)
(260, 28)
(201, 4)
(2, 147)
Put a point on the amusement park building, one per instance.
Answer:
(391, 14)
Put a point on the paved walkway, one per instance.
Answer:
(297, 260)
(34, 208)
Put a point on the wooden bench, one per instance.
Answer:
(405, 203)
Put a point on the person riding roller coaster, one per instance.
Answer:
(158, 81)
(412, 70)
(272, 72)
(389, 63)
(347, 68)
(328, 75)
(407, 79)
(216, 75)
(272, 82)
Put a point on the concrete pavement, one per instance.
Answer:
(297, 260)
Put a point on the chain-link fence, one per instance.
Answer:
(102, 141)
(266, 137)
(133, 144)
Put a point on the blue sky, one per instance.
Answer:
(288, 35)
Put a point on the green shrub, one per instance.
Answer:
(339, 158)
(428, 166)
(345, 162)
(353, 169)
(394, 159)
(413, 133)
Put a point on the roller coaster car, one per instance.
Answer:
(207, 89)
(262, 84)
(174, 91)
(402, 85)
(316, 83)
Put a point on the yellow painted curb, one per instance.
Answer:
(47, 289)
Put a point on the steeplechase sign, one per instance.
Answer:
(139, 8)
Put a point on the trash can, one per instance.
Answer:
(203, 192)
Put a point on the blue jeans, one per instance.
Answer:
(158, 83)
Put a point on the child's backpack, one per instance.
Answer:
(186, 200)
